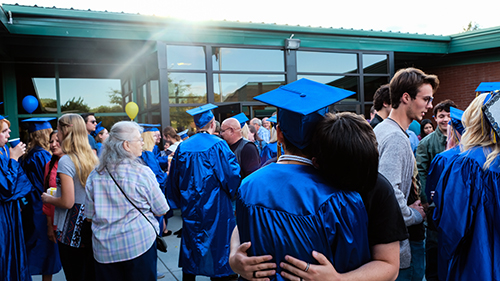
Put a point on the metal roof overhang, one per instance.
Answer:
(105, 25)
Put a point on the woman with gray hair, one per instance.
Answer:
(118, 191)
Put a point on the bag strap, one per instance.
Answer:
(131, 201)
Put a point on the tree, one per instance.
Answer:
(471, 27)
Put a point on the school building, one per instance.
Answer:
(97, 61)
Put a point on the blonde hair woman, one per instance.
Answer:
(467, 199)
(73, 232)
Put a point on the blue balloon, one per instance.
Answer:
(30, 103)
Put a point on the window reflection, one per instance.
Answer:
(180, 120)
(244, 87)
(155, 92)
(187, 88)
(326, 62)
(372, 84)
(45, 90)
(234, 59)
(375, 63)
(90, 95)
(344, 82)
(185, 57)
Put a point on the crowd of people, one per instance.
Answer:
(304, 194)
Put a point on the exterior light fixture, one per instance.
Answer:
(292, 44)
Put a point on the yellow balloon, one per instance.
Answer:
(132, 109)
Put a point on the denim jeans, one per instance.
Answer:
(417, 267)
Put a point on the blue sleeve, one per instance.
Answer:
(34, 167)
(229, 170)
(172, 188)
(14, 184)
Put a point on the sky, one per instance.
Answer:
(439, 17)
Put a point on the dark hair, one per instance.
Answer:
(169, 131)
(253, 131)
(409, 80)
(381, 96)
(53, 160)
(345, 148)
(422, 125)
(444, 105)
(86, 116)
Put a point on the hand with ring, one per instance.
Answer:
(298, 270)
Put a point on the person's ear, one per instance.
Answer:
(279, 134)
(315, 162)
(126, 146)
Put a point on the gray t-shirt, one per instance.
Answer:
(396, 163)
(67, 167)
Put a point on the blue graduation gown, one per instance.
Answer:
(467, 218)
(43, 254)
(290, 210)
(269, 151)
(438, 164)
(14, 185)
(204, 176)
(150, 160)
(156, 151)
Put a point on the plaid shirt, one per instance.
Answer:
(120, 232)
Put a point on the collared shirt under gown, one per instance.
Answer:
(204, 176)
(287, 209)
(43, 254)
(467, 217)
(14, 185)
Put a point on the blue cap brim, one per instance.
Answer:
(456, 119)
(150, 127)
(202, 114)
(242, 118)
(37, 124)
(302, 104)
(488, 87)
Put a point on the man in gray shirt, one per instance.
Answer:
(411, 92)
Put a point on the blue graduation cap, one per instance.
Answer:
(272, 119)
(98, 128)
(202, 115)
(150, 127)
(456, 119)
(183, 134)
(37, 124)
(242, 118)
(302, 104)
(488, 87)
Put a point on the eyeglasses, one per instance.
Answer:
(93, 121)
(223, 130)
(428, 100)
(140, 140)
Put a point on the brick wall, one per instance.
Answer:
(459, 82)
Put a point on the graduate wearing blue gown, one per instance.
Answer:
(43, 254)
(204, 177)
(14, 185)
(467, 199)
(289, 209)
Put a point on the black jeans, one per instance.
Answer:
(77, 263)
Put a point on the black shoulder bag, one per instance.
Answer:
(160, 243)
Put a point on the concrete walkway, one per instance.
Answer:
(167, 262)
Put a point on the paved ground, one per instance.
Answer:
(167, 262)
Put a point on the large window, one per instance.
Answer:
(241, 74)
(355, 71)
